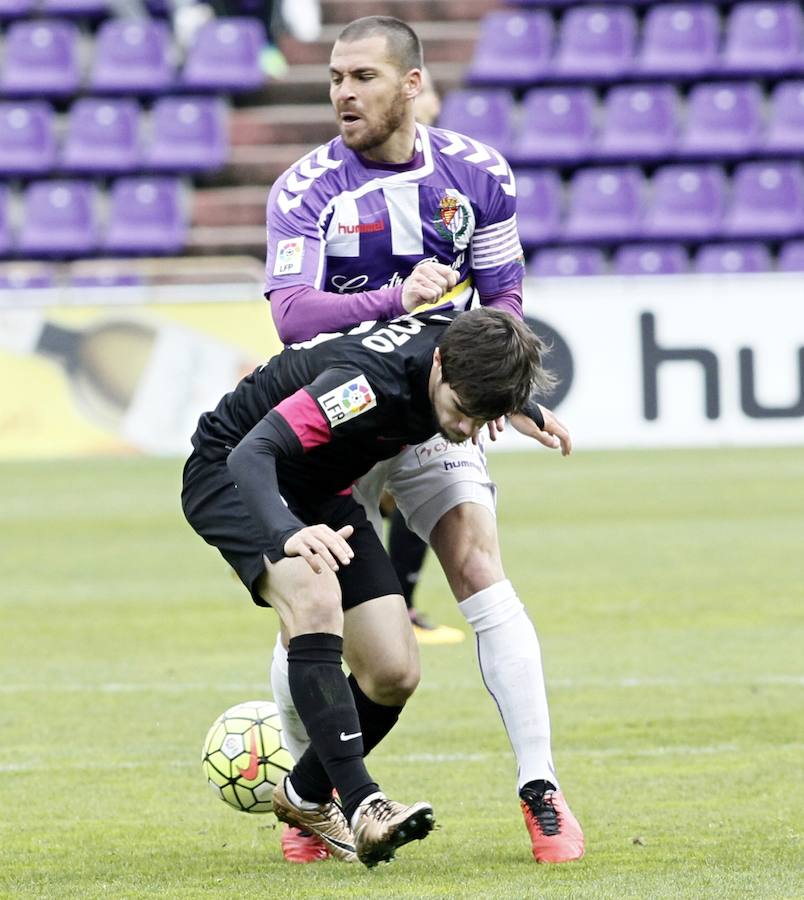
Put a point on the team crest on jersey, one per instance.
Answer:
(289, 256)
(348, 400)
(453, 219)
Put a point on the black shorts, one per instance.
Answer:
(213, 507)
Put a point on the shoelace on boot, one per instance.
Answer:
(380, 809)
(543, 811)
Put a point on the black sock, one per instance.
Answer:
(538, 787)
(326, 706)
(407, 551)
(376, 720)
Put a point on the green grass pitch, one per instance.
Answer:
(667, 588)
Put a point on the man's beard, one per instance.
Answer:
(376, 136)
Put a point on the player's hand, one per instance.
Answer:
(495, 427)
(321, 547)
(427, 283)
(553, 435)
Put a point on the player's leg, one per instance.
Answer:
(383, 656)
(309, 606)
(451, 501)
(407, 551)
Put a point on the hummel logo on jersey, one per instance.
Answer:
(350, 737)
(362, 227)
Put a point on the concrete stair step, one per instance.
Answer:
(412, 11)
(312, 123)
(226, 240)
(230, 207)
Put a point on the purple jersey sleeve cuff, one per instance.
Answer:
(302, 312)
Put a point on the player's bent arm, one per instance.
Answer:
(509, 300)
(301, 312)
(252, 464)
(253, 467)
(540, 423)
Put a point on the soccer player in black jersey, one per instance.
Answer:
(268, 485)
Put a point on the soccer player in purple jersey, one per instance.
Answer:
(269, 484)
(388, 218)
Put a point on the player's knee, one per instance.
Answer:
(314, 611)
(477, 570)
(393, 682)
(465, 540)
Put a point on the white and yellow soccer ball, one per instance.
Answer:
(244, 755)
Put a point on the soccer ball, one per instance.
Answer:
(244, 755)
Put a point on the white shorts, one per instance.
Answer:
(428, 480)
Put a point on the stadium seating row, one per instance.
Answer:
(763, 200)
(605, 43)
(65, 219)
(667, 259)
(646, 122)
(45, 58)
(114, 136)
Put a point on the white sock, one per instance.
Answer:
(294, 731)
(296, 799)
(363, 803)
(511, 666)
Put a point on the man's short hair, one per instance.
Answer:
(493, 362)
(404, 46)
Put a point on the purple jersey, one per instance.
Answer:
(340, 223)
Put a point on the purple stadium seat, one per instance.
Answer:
(6, 239)
(103, 136)
(513, 48)
(59, 219)
(680, 39)
(538, 206)
(27, 138)
(785, 132)
(225, 56)
(650, 259)
(133, 57)
(596, 43)
(764, 38)
(17, 9)
(190, 134)
(605, 204)
(767, 201)
(557, 126)
(78, 8)
(733, 258)
(485, 115)
(791, 257)
(41, 59)
(687, 203)
(146, 216)
(562, 262)
(640, 122)
(723, 120)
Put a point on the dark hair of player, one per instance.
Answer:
(404, 46)
(493, 362)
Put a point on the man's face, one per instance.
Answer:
(367, 91)
(456, 425)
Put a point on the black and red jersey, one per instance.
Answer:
(320, 414)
